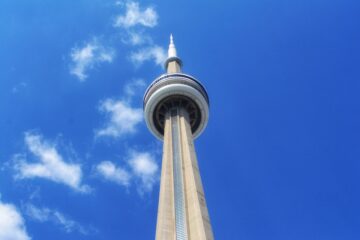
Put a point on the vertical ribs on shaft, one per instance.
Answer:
(182, 212)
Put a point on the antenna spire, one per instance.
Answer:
(172, 48)
(173, 63)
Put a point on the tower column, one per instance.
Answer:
(182, 213)
(176, 109)
(197, 213)
(165, 226)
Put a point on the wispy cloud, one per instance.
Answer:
(18, 87)
(132, 23)
(56, 217)
(119, 3)
(112, 173)
(135, 22)
(133, 88)
(12, 226)
(89, 56)
(145, 168)
(122, 118)
(49, 164)
(136, 38)
(154, 53)
(140, 169)
(136, 16)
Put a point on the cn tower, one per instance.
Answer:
(176, 108)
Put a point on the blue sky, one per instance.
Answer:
(279, 158)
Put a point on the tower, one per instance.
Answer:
(176, 108)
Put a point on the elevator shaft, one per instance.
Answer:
(182, 213)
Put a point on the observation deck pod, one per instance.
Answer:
(176, 90)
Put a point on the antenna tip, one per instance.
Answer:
(172, 49)
(171, 38)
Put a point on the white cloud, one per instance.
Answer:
(54, 216)
(119, 3)
(145, 168)
(89, 56)
(140, 169)
(155, 53)
(133, 88)
(40, 215)
(123, 118)
(110, 172)
(18, 87)
(136, 38)
(50, 164)
(12, 226)
(135, 22)
(135, 16)
(68, 224)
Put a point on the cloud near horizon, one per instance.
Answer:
(49, 164)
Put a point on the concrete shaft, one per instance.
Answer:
(173, 67)
(182, 211)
